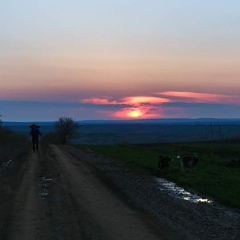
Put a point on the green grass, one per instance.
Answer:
(10, 138)
(213, 176)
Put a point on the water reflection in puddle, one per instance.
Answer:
(178, 192)
(6, 164)
(46, 179)
(45, 194)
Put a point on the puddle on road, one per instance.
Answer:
(6, 164)
(44, 187)
(46, 179)
(44, 194)
(178, 192)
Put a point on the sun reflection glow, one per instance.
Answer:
(135, 113)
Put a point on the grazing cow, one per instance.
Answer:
(237, 160)
(163, 162)
(188, 162)
(234, 162)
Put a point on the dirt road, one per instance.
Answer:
(59, 196)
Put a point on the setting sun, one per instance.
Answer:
(135, 113)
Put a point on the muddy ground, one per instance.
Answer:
(64, 193)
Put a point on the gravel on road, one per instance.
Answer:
(196, 221)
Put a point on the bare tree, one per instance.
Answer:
(66, 128)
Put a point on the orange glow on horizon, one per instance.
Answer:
(135, 113)
(145, 107)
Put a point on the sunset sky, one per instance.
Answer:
(128, 59)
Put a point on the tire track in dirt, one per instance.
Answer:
(27, 220)
(102, 214)
(11, 163)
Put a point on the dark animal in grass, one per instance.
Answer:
(237, 161)
(234, 163)
(163, 162)
(188, 162)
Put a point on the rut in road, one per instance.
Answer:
(42, 209)
(61, 197)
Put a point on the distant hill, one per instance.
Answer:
(165, 121)
(143, 130)
(137, 121)
(23, 127)
(7, 124)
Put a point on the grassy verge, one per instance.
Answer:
(12, 145)
(10, 138)
(213, 176)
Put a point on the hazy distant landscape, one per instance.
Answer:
(145, 131)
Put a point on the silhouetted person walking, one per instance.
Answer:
(35, 136)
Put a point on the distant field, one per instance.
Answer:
(23, 128)
(110, 134)
(214, 176)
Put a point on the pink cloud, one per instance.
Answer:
(202, 97)
(102, 101)
(142, 106)
(150, 106)
(137, 100)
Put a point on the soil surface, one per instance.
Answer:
(65, 193)
(54, 195)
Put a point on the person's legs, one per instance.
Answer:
(33, 144)
(36, 141)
